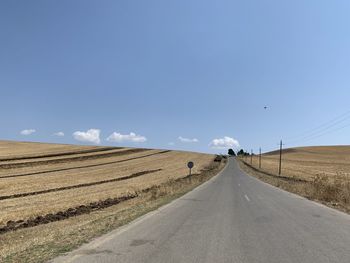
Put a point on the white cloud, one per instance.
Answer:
(223, 143)
(28, 132)
(131, 137)
(171, 143)
(182, 139)
(92, 135)
(59, 134)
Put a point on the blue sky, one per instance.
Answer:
(167, 69)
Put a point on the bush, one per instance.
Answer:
(231, 152)
(218, 158)
(335, 189)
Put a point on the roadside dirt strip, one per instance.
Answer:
(84, 166)
(286, 178)
(78, 185)
(70, 159)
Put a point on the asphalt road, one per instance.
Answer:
(231, 218)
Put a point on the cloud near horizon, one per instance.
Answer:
(223, 143)
(131, 137)
(187, 140)
(28, 131)
(91, 135)
(59, 134)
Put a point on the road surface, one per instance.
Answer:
(231, 218)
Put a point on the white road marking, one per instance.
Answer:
(239, 184)
(246, 197)
(69, 258)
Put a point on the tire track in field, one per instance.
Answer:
(14, 225)
(85, 166)
(4, 197)
(70, 159)
(58, 154)
(61, 215)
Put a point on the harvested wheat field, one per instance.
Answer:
(321, 173)
(44, 187)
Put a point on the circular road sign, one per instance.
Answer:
(190, 165)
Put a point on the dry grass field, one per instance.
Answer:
(21, 150)
(320, 173)
(55, 197)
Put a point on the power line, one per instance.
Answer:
(328, 132)
(328, 127)
(324, 128)
(321, 133)
(321, 128)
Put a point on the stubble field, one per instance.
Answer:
(43, 185)
(320, 173)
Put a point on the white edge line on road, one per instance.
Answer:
(296, 196)
(246, 197)
(93, 244)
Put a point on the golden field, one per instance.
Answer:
(307, 162)
(320, 173)
(44, 185)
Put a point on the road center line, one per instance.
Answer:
(246, 197)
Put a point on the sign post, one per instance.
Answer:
(190, 166)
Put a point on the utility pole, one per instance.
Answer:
(280, 166)
(251, 157)
(260, 158)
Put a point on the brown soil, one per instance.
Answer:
(70, 159)
(4, 197)
(155, 190)
(83, 166)
(75, 211)
(102, 149)
(43, 206)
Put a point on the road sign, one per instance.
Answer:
(190, 165)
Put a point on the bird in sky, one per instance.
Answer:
(265, 107)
